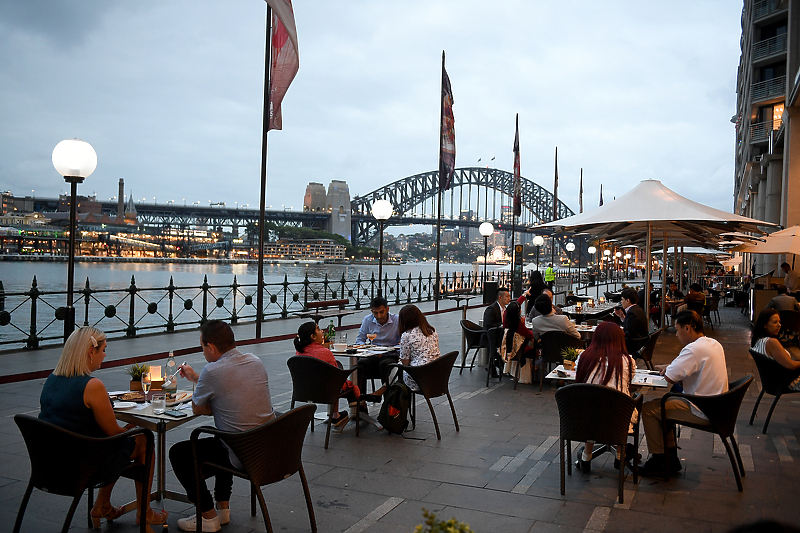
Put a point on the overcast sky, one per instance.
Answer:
(170, 94)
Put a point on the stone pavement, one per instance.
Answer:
(500, 472)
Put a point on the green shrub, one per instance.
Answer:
(432, 525)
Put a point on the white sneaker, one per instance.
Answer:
(210, 525)
(224, 516)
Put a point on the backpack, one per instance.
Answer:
(394, 409)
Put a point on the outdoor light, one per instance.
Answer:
(570, 249)
(538, 241)
(382, 211)
(75, 160)
(485, 229)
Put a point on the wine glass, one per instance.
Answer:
(371, 337)
(146, 382)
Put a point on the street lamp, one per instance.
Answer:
(538, 241)
(485, 229)
(627, 258)
(607, 257)
(75, 160)
(570, 249)
(616, 262)
(382, 211)
(592, 250)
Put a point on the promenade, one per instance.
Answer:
(499, 473)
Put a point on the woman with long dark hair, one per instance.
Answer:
(310, 342)
(605, 362)
(419, 342)
(765, 341)
(537, 285)
(517, 337)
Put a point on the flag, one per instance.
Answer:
(601, 195)
(517, 177)
(555, 190)
(447, 131)
(285, 61)
(580, 194)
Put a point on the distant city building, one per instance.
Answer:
(402, 243)
(19, 204)
(304, 249)
(450, 236)
(336, 202)
(767, 180)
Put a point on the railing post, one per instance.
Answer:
(344, 288)
(372, 286)
(170, 319)
(397, 289)
(204, 316)
(285, 310)
(430, 287)
(306, 283)
(408, 289)
(130, 331)
(234, 316)
(358, 291)
(324, 287)
(419, 287)
(86, 294)
(33, 340)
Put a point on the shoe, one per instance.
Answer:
(210, 525)
(657, 465)
(583, 466)
(155, 519)
(341, 420)
(224, 516)
(630, 452)
(110, 513)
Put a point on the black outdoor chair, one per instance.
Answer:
(721, 411)
(493, 337)
(790, 326)
(600, 414)
(316, 381)
(432, 380)
(552, 343)
(633, 345)
(645, 353)
(775, 380)
(269, 453)
(67, 464)
(473, 334)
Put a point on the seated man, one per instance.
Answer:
(655, 304)
(673, 293)
(493, 318)
(534, 313)
(548, 320)
(234, 388)
(700, 369)
(383, 324)
(695, 299)
(634, 320)
(783, 302)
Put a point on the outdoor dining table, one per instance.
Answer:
(142, 415)
(586, 312)
(357, 352)
(641, 377)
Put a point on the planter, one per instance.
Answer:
(136, 385)
(569, 365)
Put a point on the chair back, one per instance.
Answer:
(472, 333)
(272, 451)
(723, 409)
(494, 336)
(633, 345)
(316, 381)
(775, 378)
(713, 303)
(790, 320)
(64, 462)
(553, 342)
(646, 353)
(433, 378)
(596, 413)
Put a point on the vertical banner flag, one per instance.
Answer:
(580, 193)
(555, 190)
(285, 61)
(447, 146)
(517, 176)
(601, 195)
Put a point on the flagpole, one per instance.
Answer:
(555, 214)
(439, 195)
(263, 198)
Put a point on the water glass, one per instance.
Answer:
(159, 401)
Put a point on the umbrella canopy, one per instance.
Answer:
(781, 242)
(531, 267)
(696, 250)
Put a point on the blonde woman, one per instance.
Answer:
(71, 398)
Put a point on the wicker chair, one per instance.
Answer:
(596, 413)
(473, 334)
(269, 453)
(552, 343)
(775, 380)
(316, 381)
(67, 464)
(645, 353)
(433, 381)
(493, 337)
(721, 411)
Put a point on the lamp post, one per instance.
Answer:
(607, 256)
(627, 258)
(485, 230)
(538, 241)
(75, 160)
(592, 250)
(570, 249)
(617, 255)
(382, 211)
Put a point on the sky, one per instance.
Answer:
(170, 95)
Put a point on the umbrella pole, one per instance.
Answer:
(648, 270)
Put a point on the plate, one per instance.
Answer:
(124, 405)
(182, 396)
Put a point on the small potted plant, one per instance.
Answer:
(570, 355)
(435, 525)
(135, 371)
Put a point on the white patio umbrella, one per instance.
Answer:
(786, 241)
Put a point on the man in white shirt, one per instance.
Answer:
(790, 279)
(701, 370)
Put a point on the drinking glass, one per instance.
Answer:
(159, 401)
(146, 382)
(371, 337)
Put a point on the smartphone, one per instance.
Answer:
(175, 413)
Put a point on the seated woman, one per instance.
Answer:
(765, 341)
(419, 342)
(72, 399)
(515, 337)
(309, 342)
(606, 362)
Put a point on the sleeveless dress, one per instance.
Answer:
(761, 347)
(62, 404)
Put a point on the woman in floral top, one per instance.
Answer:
(419, 342)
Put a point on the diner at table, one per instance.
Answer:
(549, 320)
(517, 343)
(634, 320)
(783, 302)
(765, 341)
(419, 342)
(74, 400)
(695, 299)
(380, 328)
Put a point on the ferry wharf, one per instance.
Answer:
(500, 472)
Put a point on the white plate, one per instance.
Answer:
(124, 405)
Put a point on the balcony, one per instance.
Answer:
(769, 48)
(765, 8)
(766, 90)
(759, 132)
